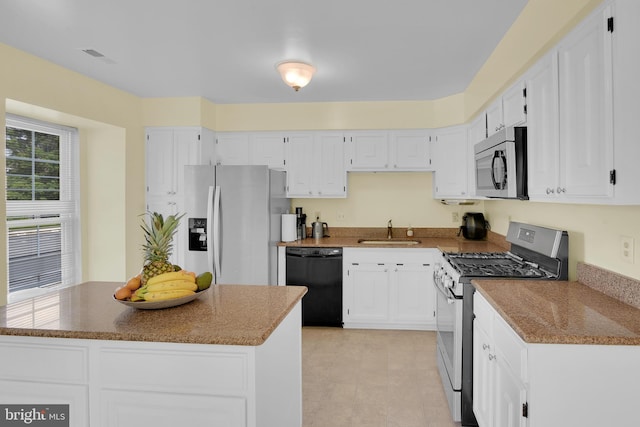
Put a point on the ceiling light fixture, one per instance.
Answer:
(296, 74)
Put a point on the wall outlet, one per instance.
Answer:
(340, 216)
(455, 217)
(627, 248)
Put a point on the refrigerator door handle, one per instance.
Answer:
(216, 233)
(210, 229)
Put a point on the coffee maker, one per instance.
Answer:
(301, 224)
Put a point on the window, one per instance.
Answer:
(43, 225)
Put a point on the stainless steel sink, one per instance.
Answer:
(401, 242)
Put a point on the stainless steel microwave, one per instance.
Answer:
(501, 164)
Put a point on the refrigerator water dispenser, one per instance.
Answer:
(197, 234)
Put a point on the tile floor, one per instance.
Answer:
(372, 378)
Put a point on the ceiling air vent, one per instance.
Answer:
(93, 53)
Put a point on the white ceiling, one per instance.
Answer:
(226, 50)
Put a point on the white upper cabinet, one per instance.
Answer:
(476, 132)
(315, 164)
(543, 127)
(585, 81)
(367, 150)
(626, 92)
(510, 109)
(450, 153)
(570, 117)
(161, 169)
(514, 105)
(232, 148)
(382, 150)
(168, 151)
(267, 148)
(410, 150)
(250, 148)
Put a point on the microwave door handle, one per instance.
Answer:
(496, 156)
(499, 156)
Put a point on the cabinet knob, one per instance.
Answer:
(485, 346)
(550, 190)
(561, 190)
(492, 357)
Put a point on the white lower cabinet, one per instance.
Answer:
(134, 383)
(522, 384)
(388, 288)
(499, 357)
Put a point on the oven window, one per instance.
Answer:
(446, 318)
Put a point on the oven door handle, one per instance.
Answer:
(446, 292)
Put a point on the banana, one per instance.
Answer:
(172, 285)
(165, 295)
(174, 275)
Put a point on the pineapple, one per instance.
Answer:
(158, 236)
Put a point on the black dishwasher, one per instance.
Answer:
(320, 270)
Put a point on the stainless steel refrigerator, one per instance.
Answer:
(234, 219)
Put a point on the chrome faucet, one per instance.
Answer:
(389, 230)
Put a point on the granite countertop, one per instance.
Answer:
(445, 239)
(561, 312)
(226, 314)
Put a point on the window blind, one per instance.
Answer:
(44, 235)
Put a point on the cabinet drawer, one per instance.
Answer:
(24, 362)
(130, 409)
(510, 348)
(176, 371)
(484, 313)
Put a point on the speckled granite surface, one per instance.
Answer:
(226, 314)
(445, 239)
(559, 312)
(615, 285)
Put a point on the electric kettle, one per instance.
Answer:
(319, 229)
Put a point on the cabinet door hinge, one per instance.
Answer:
(612, 177)
(610, 24)
(525, 409)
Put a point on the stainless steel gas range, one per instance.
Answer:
(536, 253)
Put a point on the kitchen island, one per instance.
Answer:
(232, 357)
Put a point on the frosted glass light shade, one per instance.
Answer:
(296, 74)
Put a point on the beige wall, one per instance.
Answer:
(112, 153)
(375, 198)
